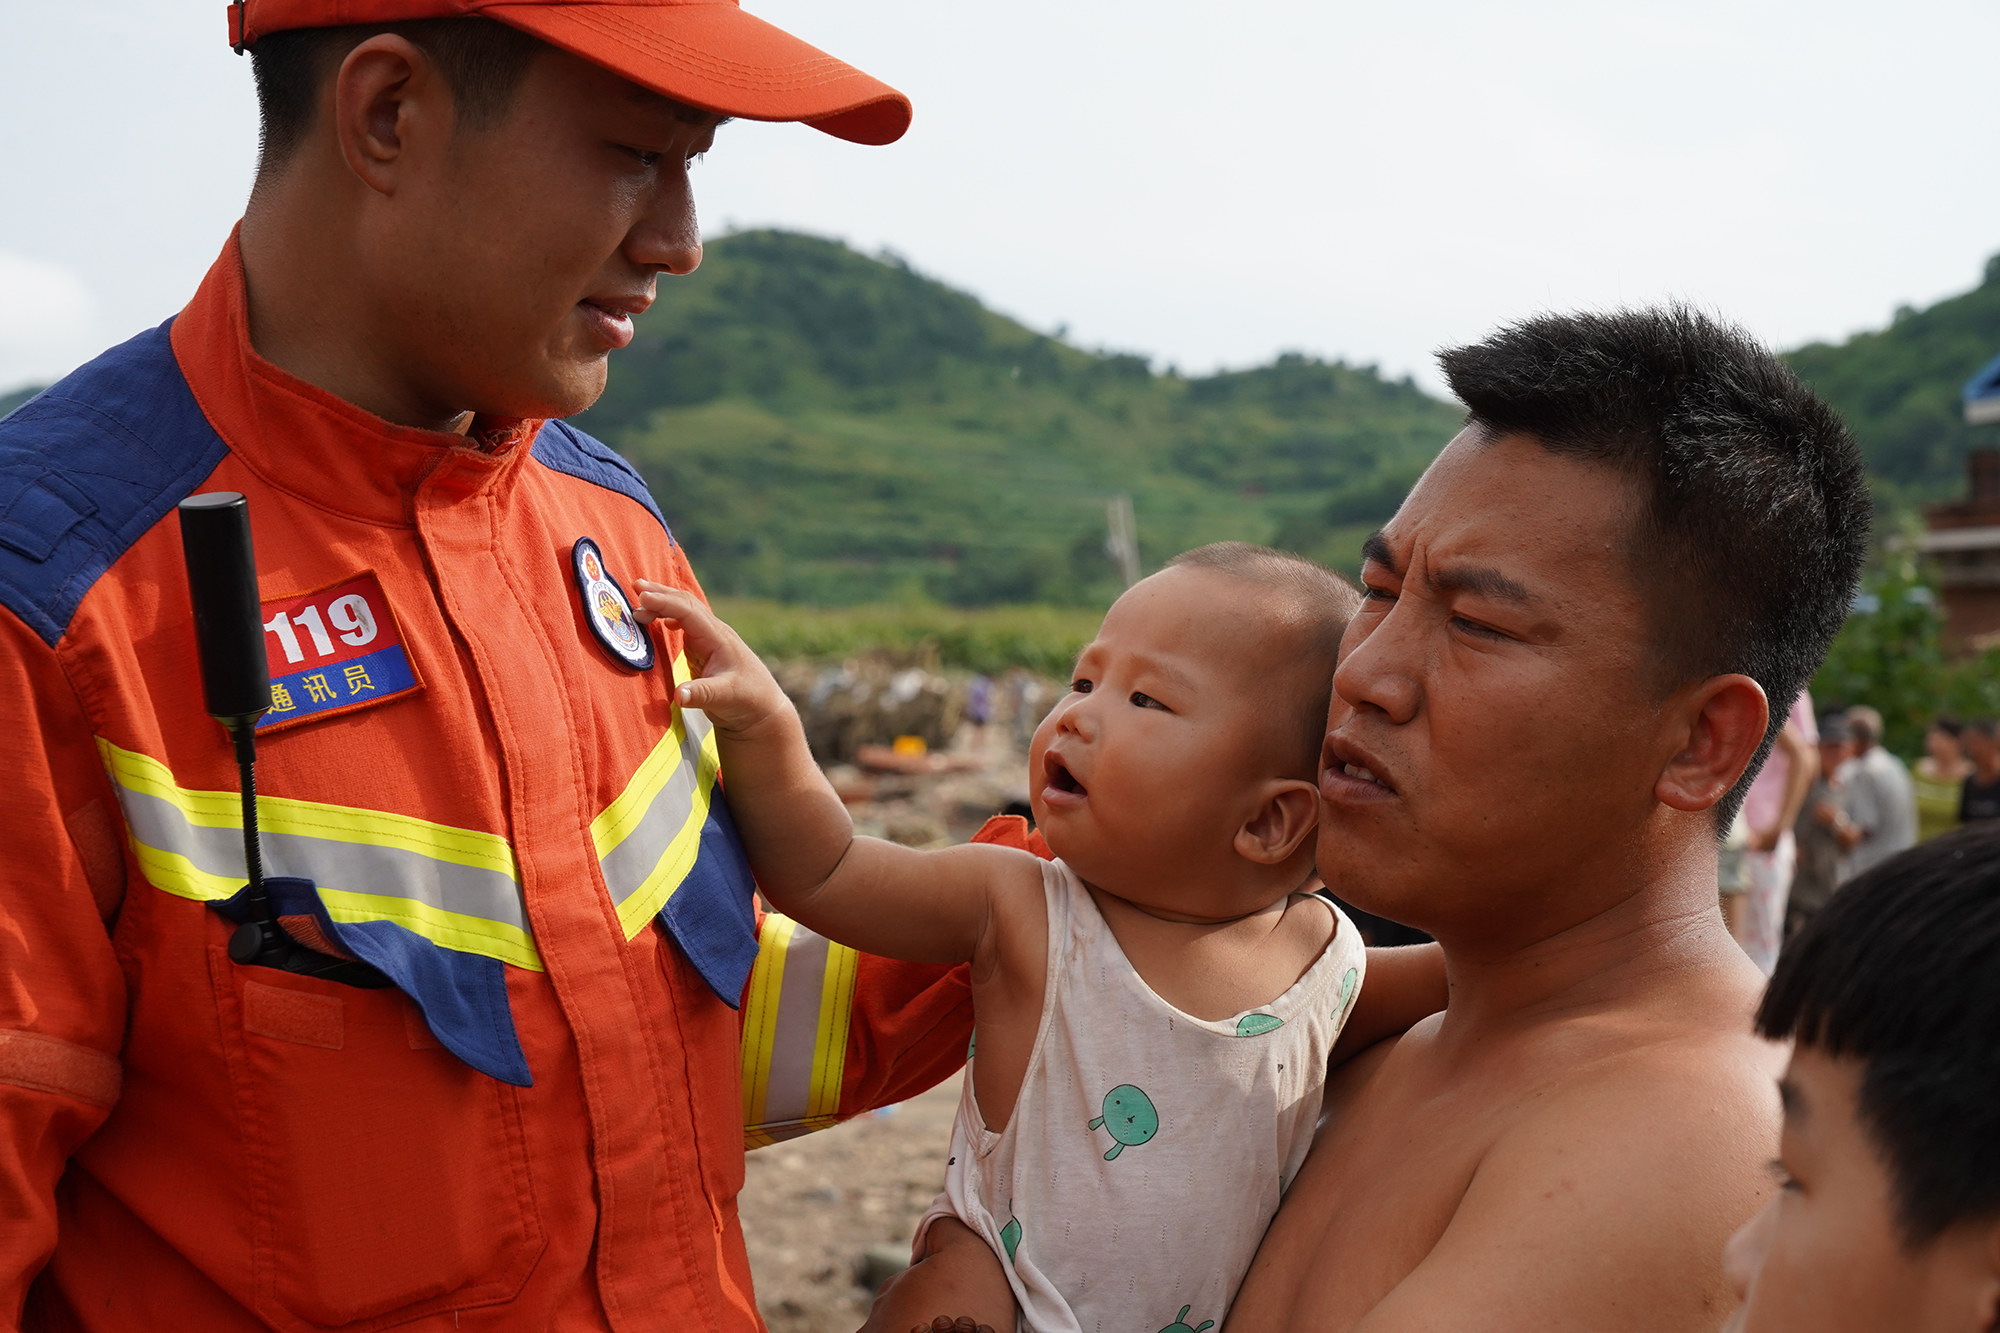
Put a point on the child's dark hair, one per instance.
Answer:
(1901, 971)
(1328, 600)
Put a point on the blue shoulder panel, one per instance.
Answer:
(566, 449)
(87, 467)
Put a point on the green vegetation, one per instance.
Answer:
(1044, 639)
(824, 427)
(1898, 391)
(10, 401)
(1889, 656)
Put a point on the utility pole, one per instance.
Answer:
(1123, 545)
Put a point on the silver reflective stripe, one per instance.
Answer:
(458, 888)
(796, 1013)
(789, 1083)
(350, 866)
(628, 865)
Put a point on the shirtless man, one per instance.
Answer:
(1563, 677)
(1579, 633)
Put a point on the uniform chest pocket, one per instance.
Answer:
(391, 1179)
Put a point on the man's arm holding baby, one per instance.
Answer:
(880, 898)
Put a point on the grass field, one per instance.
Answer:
(1042, 639)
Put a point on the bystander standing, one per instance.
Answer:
(1979, 797)
(1879, 808)
(1820, 858)
(1770, 808)
(1939, 779)
(979, 709)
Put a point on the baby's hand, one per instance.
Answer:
(731, 684)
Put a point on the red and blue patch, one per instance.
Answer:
(333, 651)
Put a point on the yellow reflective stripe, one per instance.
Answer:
(648, 838)
(639, 906)
(760, 1013)
(340, 823)
(624, 814)
(796, 1017)
(836, 1011)
(180, 876)
(453, 930)
(458, 888)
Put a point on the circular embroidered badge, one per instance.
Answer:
(608, 610)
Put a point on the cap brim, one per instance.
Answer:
(715, 56)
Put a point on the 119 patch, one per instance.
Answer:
(334, 651)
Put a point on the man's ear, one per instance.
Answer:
(1287, 817)
(1725, 717)
(386, 89)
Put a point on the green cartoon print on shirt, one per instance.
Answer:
(1346, 993)
(1129, 1115)
(1180, 1323)
(1010, 1236)
(1251, 1025)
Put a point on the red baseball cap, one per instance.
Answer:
(707, 53)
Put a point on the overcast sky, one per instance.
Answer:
(1206, 183)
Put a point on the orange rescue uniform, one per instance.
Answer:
(188, 1143)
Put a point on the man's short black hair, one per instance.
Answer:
(482, 61)
(1330, 602)
(1901, 971)
(1752, 507)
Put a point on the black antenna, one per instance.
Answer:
(235, 675)
(236, 684)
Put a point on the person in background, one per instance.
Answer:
(1889, 1215)
(1939, 777)
(1820, 865)
(1879, 814)
(979, 709)
(1979, 798)
(1770, 808)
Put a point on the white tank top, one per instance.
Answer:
(1148, 1149)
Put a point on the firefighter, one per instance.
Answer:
(473, 777)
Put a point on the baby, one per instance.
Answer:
(1155, 1009)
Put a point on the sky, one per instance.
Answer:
(1207, 184)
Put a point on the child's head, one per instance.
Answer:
(1180, 772)
(1890, 1214)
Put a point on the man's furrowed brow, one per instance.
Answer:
(1376, 551)
(1480, 582)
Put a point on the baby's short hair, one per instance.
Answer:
(1328, 602)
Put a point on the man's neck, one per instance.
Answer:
(313, 320)
(1666, 930)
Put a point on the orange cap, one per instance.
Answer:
(707, 53)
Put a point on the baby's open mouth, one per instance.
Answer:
(1060, 778)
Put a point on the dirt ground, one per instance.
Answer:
(813, 1207)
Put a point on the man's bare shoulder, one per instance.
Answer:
(1577, 1169)
(1633, 1145)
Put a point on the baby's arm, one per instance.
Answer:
(927, 907)
(957, 1285)
(1404, 986)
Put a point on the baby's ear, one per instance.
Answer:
(1286, 818)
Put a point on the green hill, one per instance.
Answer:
(1898, 391)
(823, 426)
(10, 401)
